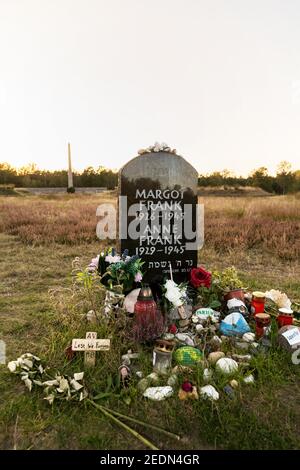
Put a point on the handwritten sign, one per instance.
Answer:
(89, 345)
(292, 336)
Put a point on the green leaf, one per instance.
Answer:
(108, 383)
(215, 304)
(102, 395)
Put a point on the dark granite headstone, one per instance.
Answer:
(160, 228)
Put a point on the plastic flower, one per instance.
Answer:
(200, 277)
(187, 386)
(173, 329)
(280, 299)
(112, 259)
(93, 266)
(174, 293)
(138, 277)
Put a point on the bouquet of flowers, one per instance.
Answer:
(118, 270)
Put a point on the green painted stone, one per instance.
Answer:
(187, 356)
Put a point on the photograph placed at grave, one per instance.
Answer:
(157, 213)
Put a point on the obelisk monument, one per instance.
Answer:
(70, 174)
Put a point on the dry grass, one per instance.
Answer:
(261, 416)
(271, 224)
(40, 220)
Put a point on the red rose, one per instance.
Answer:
(173, 329)
(199, 277)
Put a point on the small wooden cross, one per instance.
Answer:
(90, 345)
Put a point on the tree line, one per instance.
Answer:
(285, 181)
(31, 177)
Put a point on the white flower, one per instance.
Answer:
(170, 284)
(177, 303)
(50, 399)
(76, 385)
(28, 363)
(38, 382)
(50, 383)
(280, 299)
(28, 384)
(112, 259)
(12, 366)
(63, 385)
(174, 293)
(78, 376)
(83, 395)
(29, 355)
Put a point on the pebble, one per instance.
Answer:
(234, 383)
(169, 336)
(249, 379)
(179, 369)
(229, 391)
(248, 337)
(215, 343)
(153, 377)
(244, 346)
(185, 338)
(199, 327)
(213, 357)
(143, 385)
(158, 393)
(172, 380)
(183, 323)
(241, 357)
(208, 391)
(226, 365)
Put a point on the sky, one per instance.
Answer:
(219, 80)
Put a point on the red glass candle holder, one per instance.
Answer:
(258, 302)
(145, 303)
(285, 317)
(263, 321)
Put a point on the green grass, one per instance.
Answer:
(262, 416)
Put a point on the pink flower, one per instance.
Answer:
(138, 277)
(93, 266)
(95, 261)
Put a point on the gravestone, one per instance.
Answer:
(157, 213)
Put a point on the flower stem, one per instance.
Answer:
(142, 423)
(124, 426)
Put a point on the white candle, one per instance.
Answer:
(171, 273)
